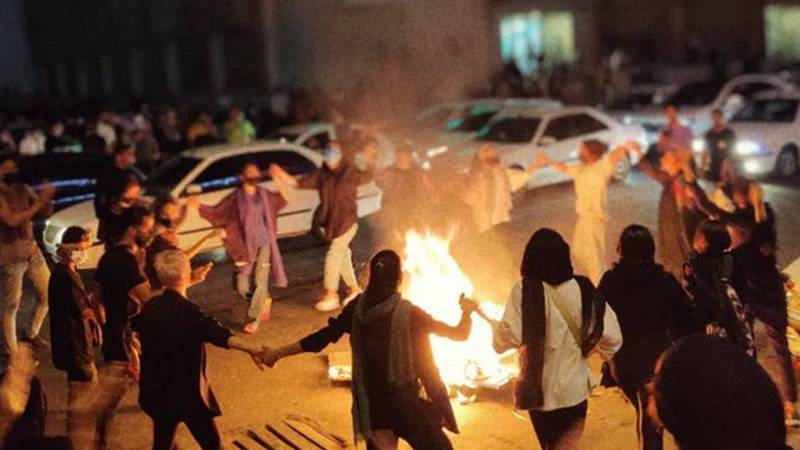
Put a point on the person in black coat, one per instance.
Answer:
(174, 384)
(652, 310)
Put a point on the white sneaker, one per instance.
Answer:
(327, 304)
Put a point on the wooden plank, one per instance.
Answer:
(309, 435)
(339, 441)
(283, 436)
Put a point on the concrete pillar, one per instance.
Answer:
(172, 69)
(216, 63)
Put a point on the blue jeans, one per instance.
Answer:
(11, 276)
(257, 273)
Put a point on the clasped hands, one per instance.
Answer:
(266, 357)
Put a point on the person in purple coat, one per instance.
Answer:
(249, 217)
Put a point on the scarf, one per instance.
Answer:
(276, 259)
(401, 364)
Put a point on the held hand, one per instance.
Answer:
(219, 232)
(468, 306)
(89, 314)
(193, 201)
(269, 356)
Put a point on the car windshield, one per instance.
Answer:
(511, 130)
(284, 136)
(471, 119)
(695, 94)
(633, 101)
(171, 173)
(773, 110)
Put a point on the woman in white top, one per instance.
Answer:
(557, 319)
(490, 185)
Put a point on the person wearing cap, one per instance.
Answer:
(74, 320)
(20, 256)
(592, 177)
(337, 183)
(249, 217)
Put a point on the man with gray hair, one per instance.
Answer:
(174, 384)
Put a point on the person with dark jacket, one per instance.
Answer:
(710, 395)
(174, 385)
(111, 185)
(557, 319)
(652, 310)
(397, 390)
(74, 322)
(337, 183)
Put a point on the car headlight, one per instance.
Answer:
(698, 145)
(747, 148)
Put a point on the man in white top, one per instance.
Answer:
(592, 177)
(545, 315)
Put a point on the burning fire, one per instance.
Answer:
(434, 282)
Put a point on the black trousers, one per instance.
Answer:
(202, 427)
(647, 433)
(555, 428)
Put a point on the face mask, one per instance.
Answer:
(166, 222)
(252, 181)
(78, 256)
(331, 155)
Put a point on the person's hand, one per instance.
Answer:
(219, 232)
(271, 356)
(89, 314)
(199, 274)
(540, 161)
(46, 193)
(193, 201)
(468, 306)
(258, 359)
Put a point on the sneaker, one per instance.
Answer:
(327, 303)
(251, 327)
(352, 293)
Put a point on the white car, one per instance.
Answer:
(767, 135)
(696, 100)
(446, 125)
(520, 134)
(317, 135)
(213, 171)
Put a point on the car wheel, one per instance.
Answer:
(317, 230)
(623, 168)
(787, 164)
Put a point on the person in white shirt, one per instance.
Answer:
(32, 143)
(490, 186)
(592, 177)
(558, 320)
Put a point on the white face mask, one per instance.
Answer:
(78, 256)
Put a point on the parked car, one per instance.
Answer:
(767, 135)
(317, 135)
(213, 171)
(696, 100)
(520, 134)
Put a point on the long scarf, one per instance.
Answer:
(401, 364)
(276, 259)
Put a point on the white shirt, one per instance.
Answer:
(566, 377)
(591, 186)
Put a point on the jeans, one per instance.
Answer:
(589, 245)
(258, 273)
(11, 275)
(202, 427)
(560, 429)
(339, 262)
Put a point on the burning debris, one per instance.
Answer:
(434, 282)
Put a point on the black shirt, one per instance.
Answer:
(174, 381)
(117, 273)
(94, 144)
(110, 184)
(67, 300)
(719, 145)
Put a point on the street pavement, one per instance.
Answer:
(251, 399)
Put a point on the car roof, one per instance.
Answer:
(777, 94)
(302, 128)
(225, 150)
(539, 111)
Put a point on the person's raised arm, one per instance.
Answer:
(459, 332)
(566, 169)
(282, 177)
(624, 150)
(15, 219)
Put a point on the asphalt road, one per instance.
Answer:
(251, 399)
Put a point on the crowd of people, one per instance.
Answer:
(679, 335)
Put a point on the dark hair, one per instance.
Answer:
(547, 258)
(716, 111)
(385, 269)
(135, 216)
(716, 235)
(596, 148)
(162, 201)
(636, 244)
(74, 235)
(248, 162)
(122, 147)
(8, 156)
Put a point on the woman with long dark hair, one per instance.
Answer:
(652, 310)
(397, 390)
(557, 319)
